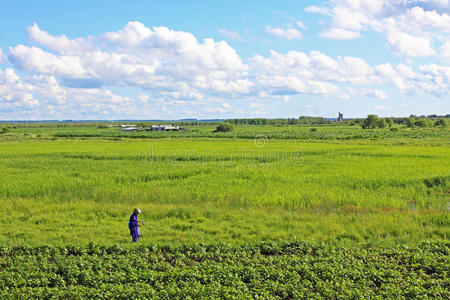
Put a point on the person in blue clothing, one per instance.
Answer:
(134, 225)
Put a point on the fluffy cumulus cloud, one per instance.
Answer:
(36, 94)
(14, 93)
(411, 27)
(157, 59)
(170, 69)
(410, 45)
(428, 79)
(290, 31)
(316, 73)
(313, 73)
(57, 43)
(374, 93)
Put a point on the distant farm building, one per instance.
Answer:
(340, 118)
(167, 127)
(131, 129)
(127, 125)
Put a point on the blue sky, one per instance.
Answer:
(223, 59)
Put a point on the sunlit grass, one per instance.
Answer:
(72, 191)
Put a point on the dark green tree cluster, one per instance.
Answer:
(373, 121)
(224, 127)
(312, 120)
(4, 130)
(425, 122)
(303, 120)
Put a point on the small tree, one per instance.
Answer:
(224, 127)
(423, 123)
(411, 122)
(441, 123)
(4, 130)
(390, 122)
(381, 123)
(370, 122)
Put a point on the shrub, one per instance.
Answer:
(411, 122)
(381, 123)
(4, 130)
(423, 123)
(371, 122)
(390, 122)
(441, 123)
(224, 127)
(313, 129)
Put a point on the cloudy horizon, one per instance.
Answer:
(148, 61)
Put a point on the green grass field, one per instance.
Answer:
(262, 212)
(359, 192)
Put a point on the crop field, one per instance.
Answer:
(317, 132)
(239, 199)
(295, 270)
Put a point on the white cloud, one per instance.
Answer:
(57, 43)
(410, 27)
(445, 50)
(406, 44)
(223, 108)
(288, 33)
(317, 9)
(340, 34)
(258, 109)
(314, 73)
(41, 93)
(428, 79)
(78, 76)
(232, 35)
(375, 93)
(378, 107)
(300, 25)
(37, 60)
(159, 59)
(143, 97)
(308, 106)
(416, 19)
(14, 93)
(133, 34)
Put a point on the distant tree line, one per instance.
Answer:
(373, 121)
(425, 122)
(303, 120)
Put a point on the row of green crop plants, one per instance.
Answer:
(321, 134)
(268, 270)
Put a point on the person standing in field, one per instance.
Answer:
(134, 225)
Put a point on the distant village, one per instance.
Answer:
(133, 127)
(170, 127)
